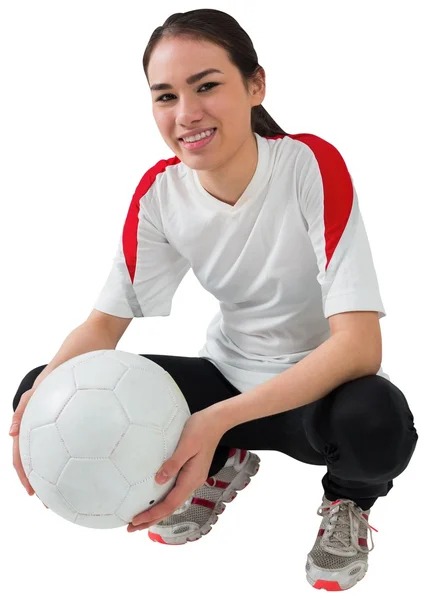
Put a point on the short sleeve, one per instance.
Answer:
(330, 207)
(146, 270)
(117, 296)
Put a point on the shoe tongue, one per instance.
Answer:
(339, 540)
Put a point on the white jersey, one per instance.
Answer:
(290, 253)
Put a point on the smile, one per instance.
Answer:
(199, 144)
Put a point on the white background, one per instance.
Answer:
(77, 134)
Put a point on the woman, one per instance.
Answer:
(270, 224)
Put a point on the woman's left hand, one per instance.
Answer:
(192, 459)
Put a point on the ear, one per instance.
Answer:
(258, 87)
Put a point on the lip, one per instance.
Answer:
(191, 146)
(195, 132)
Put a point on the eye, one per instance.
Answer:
(211, 83)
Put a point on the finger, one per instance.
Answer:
(16, 420)
(173, 501)
(14, 428)
(131, 528)
(157, 512)
(19, 468)
(160, 511)
(17, 415)
(22, 404)
(163, 511)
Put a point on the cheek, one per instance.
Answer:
(231, 114)
(220, 109)
(164, 121)
(240, 114)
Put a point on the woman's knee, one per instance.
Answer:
(373, 421)
(366, 423)
(372, 405)
(26, 384)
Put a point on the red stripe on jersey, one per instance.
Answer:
(130, 229)
(337, 189)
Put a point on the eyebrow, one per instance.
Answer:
(192, 79)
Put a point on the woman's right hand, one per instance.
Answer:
(16, 424)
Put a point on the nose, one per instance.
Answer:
(189, 111)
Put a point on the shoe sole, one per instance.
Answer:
(241, 480)
(341, 581)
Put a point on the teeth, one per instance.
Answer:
(199, 136)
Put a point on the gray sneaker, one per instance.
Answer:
(197, 515)
(339, 557)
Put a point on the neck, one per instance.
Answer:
(228, 182)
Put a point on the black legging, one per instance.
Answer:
(363, 431)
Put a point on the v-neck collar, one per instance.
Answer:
(251, 190)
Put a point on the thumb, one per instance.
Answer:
(170, 468)
(166, 471)
(16, 422)
(17, 415)
(162, 475)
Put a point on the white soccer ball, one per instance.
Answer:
(96, 431)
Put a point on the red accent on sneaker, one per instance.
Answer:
(321, 532)
(242, 455)
(221, 484)
(203, 502)
(330, 586)
(363, 542)
(217, 483)
(232, 452)
(155, 537)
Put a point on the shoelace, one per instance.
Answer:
(340, 537)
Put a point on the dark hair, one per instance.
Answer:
(219, 28)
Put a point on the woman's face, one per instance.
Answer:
(218, 100)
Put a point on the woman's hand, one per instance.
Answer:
(14, 431)
(192, 459)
